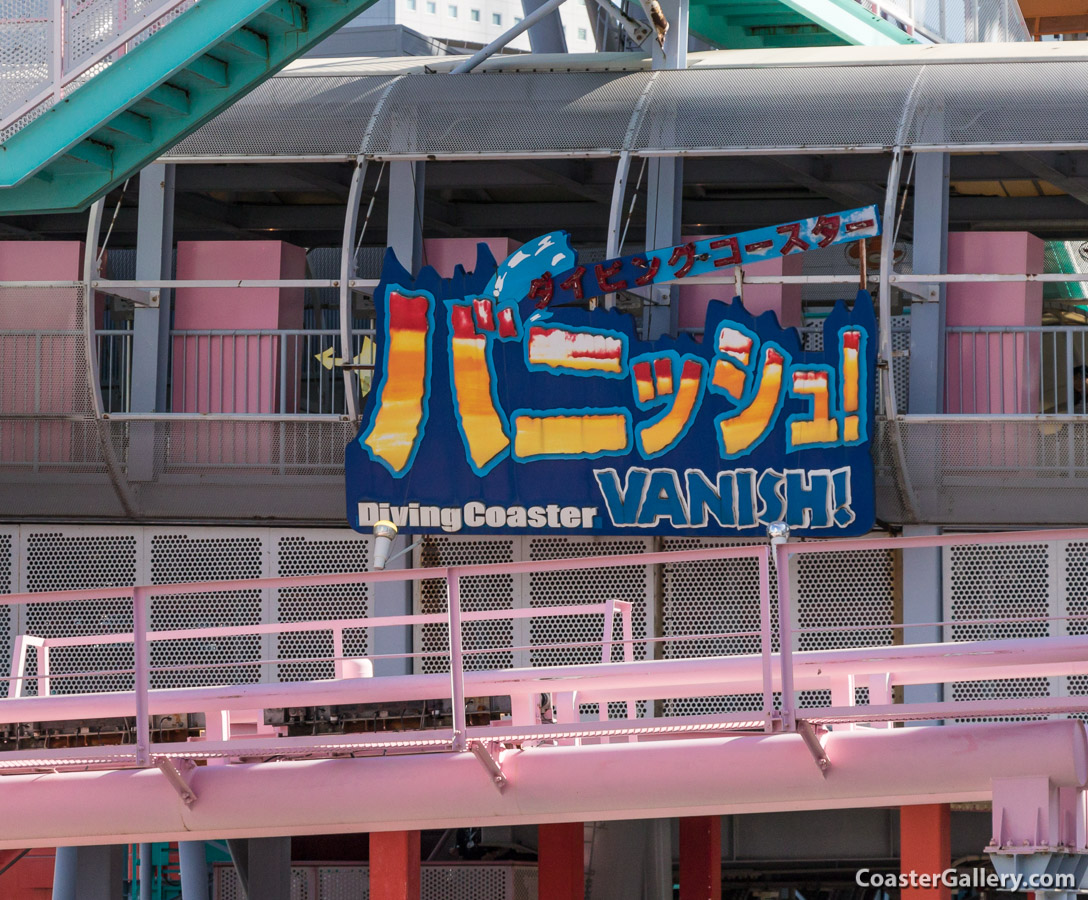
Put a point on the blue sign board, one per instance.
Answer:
(501, 405)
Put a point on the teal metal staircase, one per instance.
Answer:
(125, 113)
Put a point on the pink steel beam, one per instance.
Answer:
(710, 776)
(911, 664)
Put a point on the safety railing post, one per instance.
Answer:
(765, 648)
(785, 637)
(142, 653)
(609, 624)
(457, 662)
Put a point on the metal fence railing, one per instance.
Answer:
(54, 46)
(270, 372)
(1016, 370)
(785, 680)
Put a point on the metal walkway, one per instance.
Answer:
(798, 730)
(96, 90)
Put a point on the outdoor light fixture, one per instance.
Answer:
(778, 532)
(384, 532)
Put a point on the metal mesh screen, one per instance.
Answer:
(963, 471)
(291, 116)
(515, 112)
(712, 598)
(304, 554)
(703, 600)
(996, 582)
(437, 882)
(1031, 102)
(631, 583)
(80, 559)
(707, 109)
(177, 557)
(7, 586)
(481, 593)
(25, 47)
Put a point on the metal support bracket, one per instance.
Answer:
(487, 753)
(812, 741)
(144, 297)
(178, 772)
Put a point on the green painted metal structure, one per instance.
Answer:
(739, 24)
(166, 87)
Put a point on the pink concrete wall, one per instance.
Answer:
(445, 254)
(239, 374)
(993, 373)
(784, 300)
(39, 372)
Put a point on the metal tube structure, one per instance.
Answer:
(347, 269)
(709, 776)
(142, 653)
(506, 37)
(194, 870)
(457, 663)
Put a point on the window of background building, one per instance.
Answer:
(411, 4)
(452, 10)
(496, 18)
(431, 6)
(474, 14)
(517, 19)
(581, 34)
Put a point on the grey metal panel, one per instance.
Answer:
(705, 110)
(821, 107)
(515, 112)
(325, 116)
(1033, 103)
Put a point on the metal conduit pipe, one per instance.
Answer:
(716, 776)
(911, 664)
(506, 37)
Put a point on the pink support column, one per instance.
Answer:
(993, 373)
(41, 371)
(235, 374)
(701, 858)
(561, 861)
(784, 300)
(445, 254)
(394, 865)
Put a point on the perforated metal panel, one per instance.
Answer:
(296, 113)
(630, 583)
(8, 614)
(25, 48)
(1000, 582)
(37, 559)
(314, 554)
(703, 600)
(343, 883)
(481, 593)
(437, 882)
(72, 559)
(176, 556)
(708, 598)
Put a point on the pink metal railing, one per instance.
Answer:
(775, 677)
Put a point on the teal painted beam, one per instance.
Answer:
(851, 22)
(71, 191)
(152, 62)
(844, 21)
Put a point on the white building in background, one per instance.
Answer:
(477, 22)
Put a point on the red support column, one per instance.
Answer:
(561, 861)
(925, 847)
(394, 865)
(701, 858)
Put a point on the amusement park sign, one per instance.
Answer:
(502, 405)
